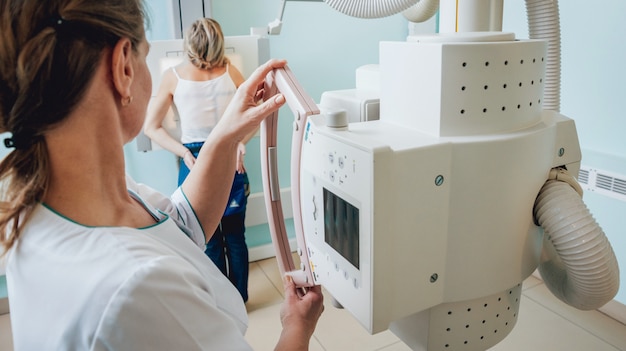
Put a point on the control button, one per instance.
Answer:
(331, 158)
(299, 252)
(340, 162)
(302, 266)
(355, 283)
(331, 175)
(337, 119)
(314, 209)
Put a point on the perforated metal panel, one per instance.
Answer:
(452, 88)
(471, 325)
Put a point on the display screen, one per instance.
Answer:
(341, 227)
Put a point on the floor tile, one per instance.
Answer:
(399, 346)
(264, 329)
(337, 329)
(538, 328)
(531, 282)
(270, 267)
(6, 340)
(593, 322)
(261, 291)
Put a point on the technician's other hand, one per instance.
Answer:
(299, 315)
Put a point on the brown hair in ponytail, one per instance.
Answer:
(48, 54)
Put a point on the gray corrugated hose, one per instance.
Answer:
(543, 23)
(422, 11)
(370, 8)
(578, 264)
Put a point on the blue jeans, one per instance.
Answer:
(228, 250)
(227, 247)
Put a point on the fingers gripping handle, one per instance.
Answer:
(302, 105)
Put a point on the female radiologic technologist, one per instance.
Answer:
(96, 261)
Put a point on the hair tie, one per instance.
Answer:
(9, 143)
(21, 142)
(56, 21)
(12, 142)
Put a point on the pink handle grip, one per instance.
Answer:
(302, 105)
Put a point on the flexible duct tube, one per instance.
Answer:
(543, 23)
(370, 8)
(578, 264)
(422, 11)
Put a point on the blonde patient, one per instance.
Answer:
(200, 88)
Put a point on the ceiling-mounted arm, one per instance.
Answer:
(274, 27)
(302, 105)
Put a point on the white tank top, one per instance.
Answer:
(200, 104)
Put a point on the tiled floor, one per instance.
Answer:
(544, 323)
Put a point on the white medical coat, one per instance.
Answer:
(73, 287)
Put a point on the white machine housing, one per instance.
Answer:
(464, 145)
(423, 222)
(360, 104)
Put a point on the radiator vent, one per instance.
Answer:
(603, 182)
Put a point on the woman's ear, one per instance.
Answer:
(122, 67)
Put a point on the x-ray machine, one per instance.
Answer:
(423, 198)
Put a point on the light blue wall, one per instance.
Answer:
(162, 21)
(323, 48)
(593, 94)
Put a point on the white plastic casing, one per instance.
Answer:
(444, 199)
(453, 88)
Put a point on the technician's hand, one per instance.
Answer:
(299, 315)
(244, 113)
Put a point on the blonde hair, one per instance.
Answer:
(204, 44)
(49, 51)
